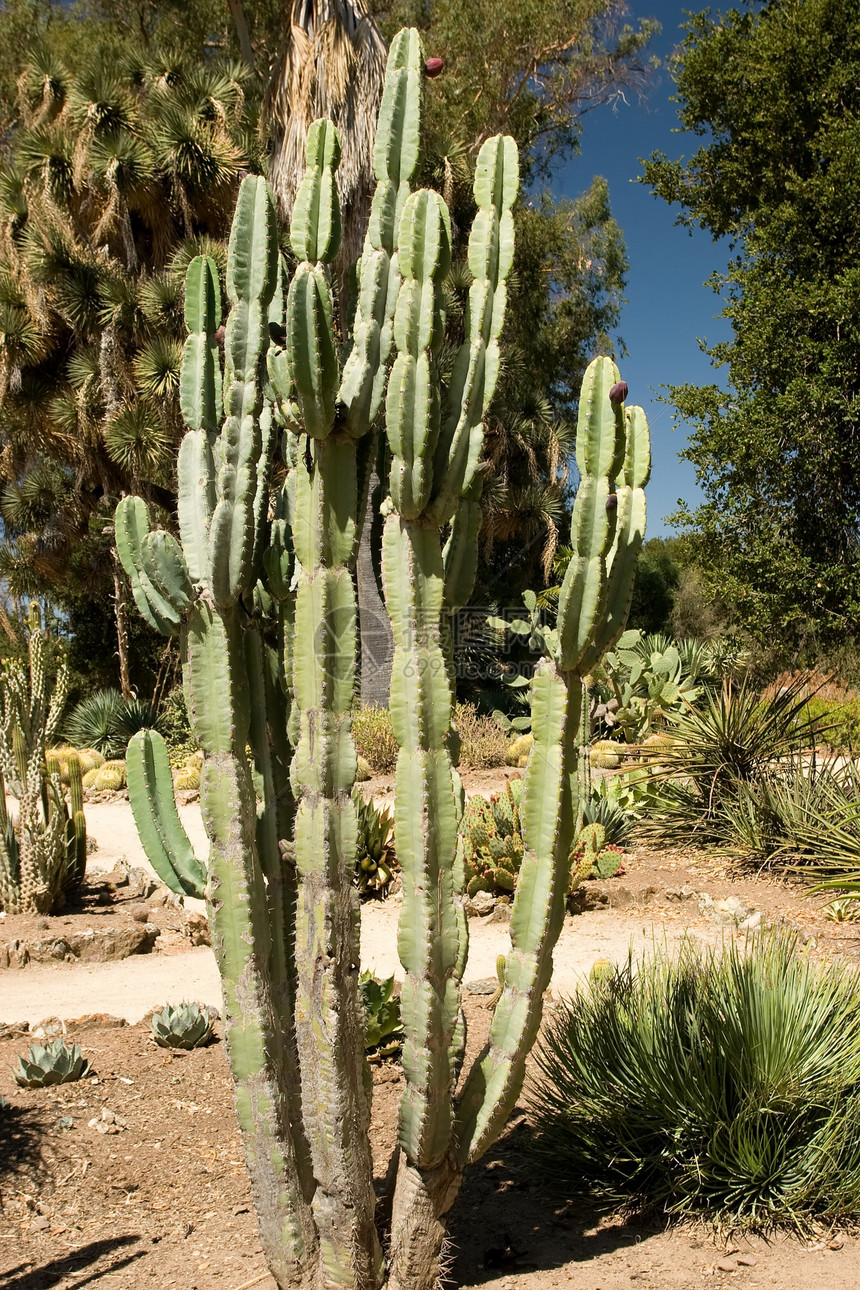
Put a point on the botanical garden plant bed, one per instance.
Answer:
(158, 1196)
(114, 917)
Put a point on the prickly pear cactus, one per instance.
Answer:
(491, 842)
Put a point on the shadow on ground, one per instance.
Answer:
(525, 1229)
(29, 1277)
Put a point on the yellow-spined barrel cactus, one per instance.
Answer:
(260, 591)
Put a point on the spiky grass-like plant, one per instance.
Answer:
(722, 1084)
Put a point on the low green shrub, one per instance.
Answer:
(374, 739)
(483, 742)
(838, 720)
(722, 1084)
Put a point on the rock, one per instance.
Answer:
(141, 883)
(727, 1265)
(590, 895)
(40, 1224)
(163, 896)
(49, 1028)
(746, 1261)
(750, 924)
(680, 893)
(730, 910)
(486, 985)
(14, 1029)
(112, 944)
(95, 1021)
(140, 914)
(501, 914)
(108, 1122)
(196, 928)
(480, 904)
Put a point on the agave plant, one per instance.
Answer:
(374, 862)
(183, 1025)
(384, 1027)
(52, 1063)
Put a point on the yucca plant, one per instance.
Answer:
(182, 1025)
(51, 1063)
(721, 1084)
(106, 721)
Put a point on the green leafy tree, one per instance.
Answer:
(772, 90)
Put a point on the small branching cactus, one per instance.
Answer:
(182, 1025)
(592, 856)
(260, 591)
(43, 849)
(52, 1063)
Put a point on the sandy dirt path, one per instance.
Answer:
(133, 986)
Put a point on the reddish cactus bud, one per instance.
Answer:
(618, 393)
(612, 501)
(432, 67)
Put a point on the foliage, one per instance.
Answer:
(721, 1084)
(375, 862)
(182, 1025)
(658, 576)
(838, 720)
(374, 739)
(51, 1063)
(775, 452)
(483, 742)
(604, 809)
(383, 1023)
(118, 168)
(106, 721)
(734, 737)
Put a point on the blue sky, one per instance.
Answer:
(669, 308)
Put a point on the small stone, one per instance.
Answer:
(750, 924)
(501, 914)
(727, 1265)
(836, 1244)
(40, 1224)
(480, 904)
(486, 985)
(241, 1209)
(140, 914)
(42, 922)
(746, 1261)
(680, 893)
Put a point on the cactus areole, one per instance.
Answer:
(259, 588)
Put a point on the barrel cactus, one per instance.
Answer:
(259, 589)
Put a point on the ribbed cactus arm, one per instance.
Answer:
(132, 531)
(425, 831)
(329, 1022)
(548, 817)
(412, 402)
(476, 367)
(252, 270)
(395, 158)
(150, 791)
(200, 393)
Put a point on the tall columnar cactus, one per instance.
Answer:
(261, 592)
(43, 848)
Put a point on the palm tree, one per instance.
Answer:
(117, 175)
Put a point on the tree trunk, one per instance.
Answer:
(377, 642)
(120, 612)
(237, 13)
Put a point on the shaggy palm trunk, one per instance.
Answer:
(375, 639)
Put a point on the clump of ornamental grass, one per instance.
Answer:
(374, 739)
(483, 742)
(722, 1084)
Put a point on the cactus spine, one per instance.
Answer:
(265, 609)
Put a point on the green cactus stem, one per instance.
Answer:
(433, 467)
(195, 588)
(612, 455)
(150, 791)
(329, 1016)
